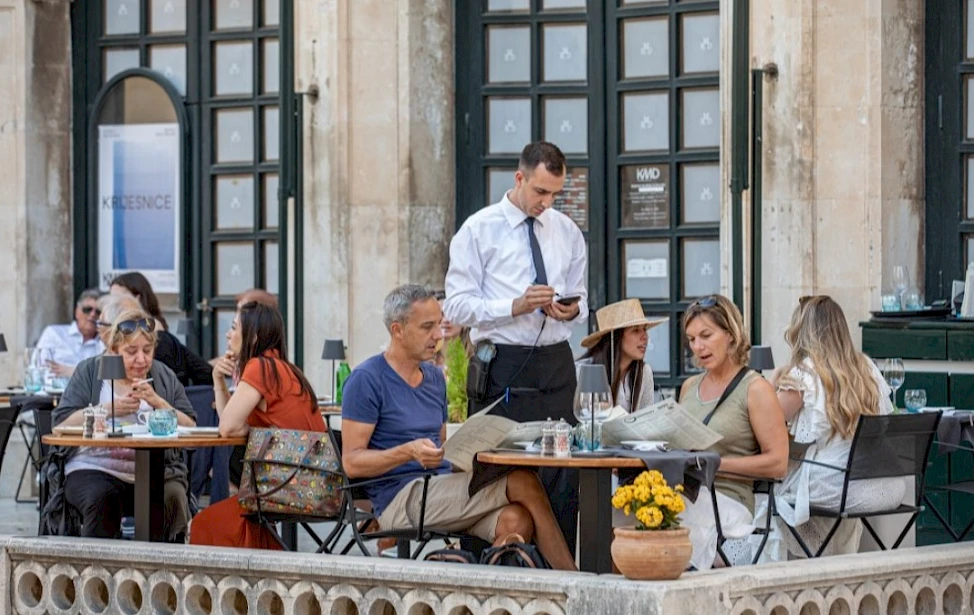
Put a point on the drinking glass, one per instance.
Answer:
(895, 374)
(901, 282)
(589, 430)
(914, 399)
(33, 370)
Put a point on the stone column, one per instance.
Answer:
(379, 161)
(843, 152)
(35, 153)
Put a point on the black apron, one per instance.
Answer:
(537, 383)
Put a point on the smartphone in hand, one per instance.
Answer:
(569, 300)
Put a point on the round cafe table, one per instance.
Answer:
(594, 498)
(150, 471)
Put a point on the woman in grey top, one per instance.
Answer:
(97, 486)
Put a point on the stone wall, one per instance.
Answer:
(57, 575)
(843, 151)
(379, 152)
(35, 155)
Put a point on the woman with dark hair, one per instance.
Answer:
(188, 366)
(620, 345)
(270, 392)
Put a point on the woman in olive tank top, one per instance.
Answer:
(750, 418)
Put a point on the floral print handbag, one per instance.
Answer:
(289, 471)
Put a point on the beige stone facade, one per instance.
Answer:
(843, 151)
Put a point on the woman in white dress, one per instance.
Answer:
(824, 388)
(620, 345)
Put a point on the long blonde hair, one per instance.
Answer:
(818, 331)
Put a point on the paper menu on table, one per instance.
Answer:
(483, 432)
(667, 421)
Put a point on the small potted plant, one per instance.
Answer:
(456, 380)
(656, 547)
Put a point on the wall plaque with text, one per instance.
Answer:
(646, 196)
(573, 200)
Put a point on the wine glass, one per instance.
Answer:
(895, 374)
(901, 282)
(591, 410)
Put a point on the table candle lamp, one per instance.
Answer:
(112, 367)
(592, 394)
(761, 358)
(334, 350)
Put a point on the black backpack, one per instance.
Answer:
(452, 554)
(515, 552)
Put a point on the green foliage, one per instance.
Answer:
(456, 380)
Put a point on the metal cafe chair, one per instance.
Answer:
(882, 447)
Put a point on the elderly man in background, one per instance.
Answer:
(72, 343)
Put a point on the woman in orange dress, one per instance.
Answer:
(271, 392)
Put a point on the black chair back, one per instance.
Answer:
(892, 445)
(201, 397)
(8, 420)
(43, 424)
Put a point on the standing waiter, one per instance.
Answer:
(517, 279)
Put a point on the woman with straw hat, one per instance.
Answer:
(620, 345)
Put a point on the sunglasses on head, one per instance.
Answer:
(88, 309)
(128, 327)
(705, 302)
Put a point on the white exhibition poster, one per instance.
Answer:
(139, 203)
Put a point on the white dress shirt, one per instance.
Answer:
(70, 347)
(491, 266)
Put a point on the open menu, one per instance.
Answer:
(665, 421)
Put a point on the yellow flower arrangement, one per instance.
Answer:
(654, 503)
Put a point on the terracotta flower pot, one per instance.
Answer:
(651, 554)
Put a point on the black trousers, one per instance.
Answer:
(103, 500)
(539, 383)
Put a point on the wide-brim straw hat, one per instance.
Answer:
(620, 315)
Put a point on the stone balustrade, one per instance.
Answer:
(64, 575)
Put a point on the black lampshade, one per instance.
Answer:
(334, 350)
(111, 367)
(593, 379)
(3, 343)
(761, 358)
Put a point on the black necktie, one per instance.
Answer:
(541, 276)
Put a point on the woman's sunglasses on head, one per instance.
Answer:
(128, 327)
(705, 302)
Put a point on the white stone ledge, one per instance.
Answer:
(68, 576)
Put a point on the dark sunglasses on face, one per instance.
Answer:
(88, 309)
(128, 327)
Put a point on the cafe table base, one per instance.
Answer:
(150, 503)
(594, 506)
(150, 471)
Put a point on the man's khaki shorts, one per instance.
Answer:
(448, 507)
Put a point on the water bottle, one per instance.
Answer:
(548, 438)
(344, 371)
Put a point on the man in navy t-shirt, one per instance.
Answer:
(394, 424)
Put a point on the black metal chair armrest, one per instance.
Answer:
(819, 463)
(955, 447)
(371, 481)
(726, 474)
